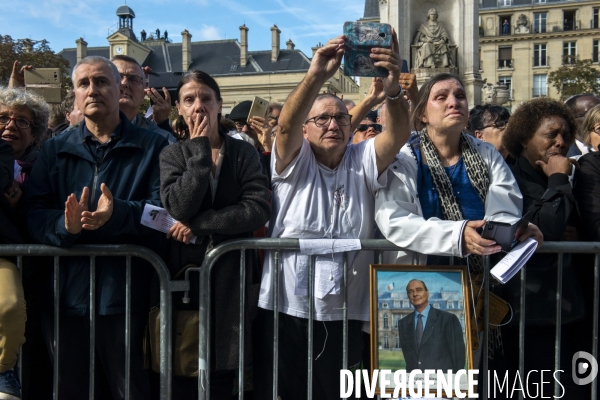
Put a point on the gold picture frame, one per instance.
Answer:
(448, 290)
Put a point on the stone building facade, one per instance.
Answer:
(522, 41)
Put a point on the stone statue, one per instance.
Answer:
(522, 24)
(166, 35)
(433, 44)
(157, 33)
(143, 34)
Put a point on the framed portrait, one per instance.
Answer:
(421, 320)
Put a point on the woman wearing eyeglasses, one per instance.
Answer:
(488, 123)
(367, 129)
(23, 121)
(587, 177)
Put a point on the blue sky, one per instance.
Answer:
(61, 22)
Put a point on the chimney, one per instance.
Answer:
(290, 45)
(244, 45)
(314, 49)
(275, 43)
(81, 49)
(186, 50)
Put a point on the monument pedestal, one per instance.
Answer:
(473, 84)
(423, 74)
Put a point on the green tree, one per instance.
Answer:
(28, 52)
(575, 77)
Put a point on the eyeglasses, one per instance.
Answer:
(324, 120)
(273, 117)
(497, 125)
(364, 127)
(132, 79)
(240, 124)
(21, 123)
(597, 129)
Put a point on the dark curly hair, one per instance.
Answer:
(527, 119)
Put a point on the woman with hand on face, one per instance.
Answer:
(539, 135)
(23, 120)
(213, 185)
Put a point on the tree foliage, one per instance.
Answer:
(575, 77)
(28, 52)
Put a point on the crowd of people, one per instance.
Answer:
(412, 166)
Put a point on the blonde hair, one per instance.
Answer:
(592, 118)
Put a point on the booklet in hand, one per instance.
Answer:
(505, 234)
(514, 260)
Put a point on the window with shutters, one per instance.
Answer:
(505, 57)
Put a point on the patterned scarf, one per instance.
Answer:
(480, 180)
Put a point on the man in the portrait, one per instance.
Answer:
(430, 338)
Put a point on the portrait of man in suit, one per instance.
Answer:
(430, 338)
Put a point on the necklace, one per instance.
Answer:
(451, 174)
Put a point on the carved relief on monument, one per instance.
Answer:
(522, 25)
(432, 45)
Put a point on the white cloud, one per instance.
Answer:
(208, 32)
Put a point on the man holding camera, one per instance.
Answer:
(312, 164)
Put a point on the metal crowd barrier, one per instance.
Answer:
(378, 246)
(93, 252)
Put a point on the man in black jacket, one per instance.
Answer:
(12, 300)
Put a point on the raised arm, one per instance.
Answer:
(372, 99)
(389, 142)
(323, 66)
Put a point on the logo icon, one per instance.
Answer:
(583, 363)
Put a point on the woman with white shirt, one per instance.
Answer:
(444, 185)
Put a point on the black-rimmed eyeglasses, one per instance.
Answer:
(132, 79)
(21, 123)
(497, 125)
(324, 120)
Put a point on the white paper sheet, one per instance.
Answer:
(328, 275)
(514, 260)
(158, 218)
(327, 246)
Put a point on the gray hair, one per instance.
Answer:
(349, 102)
(96, 60)
(19, 98)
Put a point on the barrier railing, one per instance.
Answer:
(276, 246)
(93, 252)
(378, 246)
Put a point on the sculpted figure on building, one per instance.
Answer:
(432, 44)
